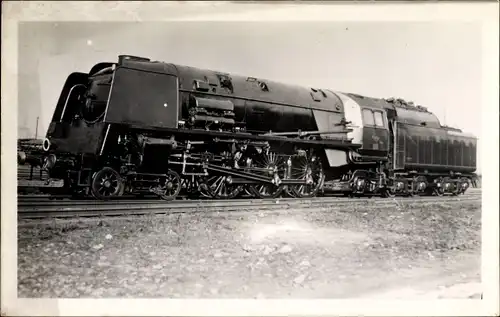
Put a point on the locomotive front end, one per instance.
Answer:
(108, 118)
(75, 131)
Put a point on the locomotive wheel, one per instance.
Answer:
(415, 183)
(220, 187)
(203, 189)
(439, 191)
(169, 186)
(247, 192)
(190, 187)
(274, 164)
(307, 168)
(107, 184)
(287, 190)
(457, 187)
(266, 190)
(447, 182)
(464, 180)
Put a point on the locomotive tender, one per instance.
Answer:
(140, 126)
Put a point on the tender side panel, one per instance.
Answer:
(464, 148)
(432, 149)
(400, 146)
(147, 99)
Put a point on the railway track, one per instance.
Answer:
(72, 209)
(44, 199)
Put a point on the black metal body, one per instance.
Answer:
(141, 120)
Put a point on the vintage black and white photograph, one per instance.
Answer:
(247, 159)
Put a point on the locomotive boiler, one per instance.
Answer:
(139, 126)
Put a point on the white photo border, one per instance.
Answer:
(484, 12)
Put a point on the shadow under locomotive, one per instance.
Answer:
(140, 126)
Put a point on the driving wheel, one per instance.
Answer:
(269, 165)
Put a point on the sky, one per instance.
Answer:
(435, 64)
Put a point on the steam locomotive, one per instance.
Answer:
(138, 126)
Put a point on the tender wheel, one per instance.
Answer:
(169, 186)
(309, 169)
(439, 190)
(458, 186)
(221, 187)
(419, 185)
(448, 186)
(464, 185)
(269, 164)
(107, 184)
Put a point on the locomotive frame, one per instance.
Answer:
(139, 127)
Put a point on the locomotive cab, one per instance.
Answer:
(371, 127)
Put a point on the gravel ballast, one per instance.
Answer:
(324, 252)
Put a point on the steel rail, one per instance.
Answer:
(119, 205)
(45, 202)
(96, 211)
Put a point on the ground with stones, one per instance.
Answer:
(328, 252)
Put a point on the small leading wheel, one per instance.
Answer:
(169, 186)
(310, 170)
(106, 184)
(221, 187)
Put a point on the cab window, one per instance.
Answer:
(379, 120)
(368, 117)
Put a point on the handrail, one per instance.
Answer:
(67, 99)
